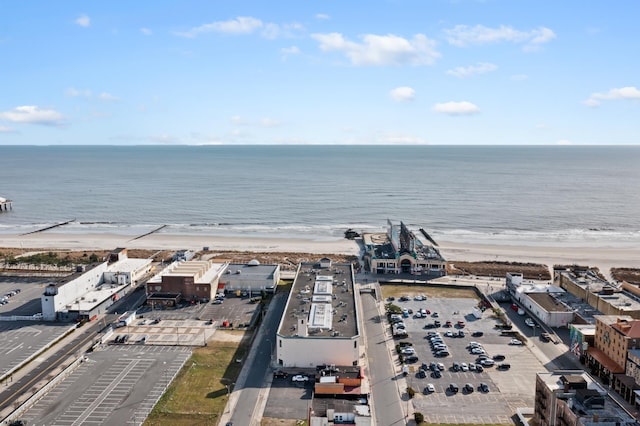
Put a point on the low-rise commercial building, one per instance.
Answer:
(573, 398)
(252, 277)
(191, 281)
(320, 324)
(92, 289)
(603, 296)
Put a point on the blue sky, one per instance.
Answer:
(320, 72)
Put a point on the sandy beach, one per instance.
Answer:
(604, 256)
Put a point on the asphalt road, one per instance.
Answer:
(244, 412)
(387, 408)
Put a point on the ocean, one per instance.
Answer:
(562, 194)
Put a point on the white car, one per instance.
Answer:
(478, 351)
(515, 342)
(300, 378)
(464, 366)
(407, 351)
(430, 388)
(530, 322)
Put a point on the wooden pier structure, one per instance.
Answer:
(5, 205)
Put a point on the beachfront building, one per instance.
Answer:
(607, 359)
(581, 337)
(544, 302)
(252, 278)
(320, 324)
(400, 251)
(190, 281)
(574, 398)
(603, 296)
(92, 289)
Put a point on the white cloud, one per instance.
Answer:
(72, 92)
(629, 92)
(104, 96)
(480, 68)
(78, 93)
(288, 51)
(403, 94)
(244, 25)
(31, 114)
(83, 21)
(146, 31)
(377, 50)
(5, 129)
(456, 108)
(322, 16)
(464, 35)
(239, 25)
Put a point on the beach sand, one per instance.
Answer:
(604, 255)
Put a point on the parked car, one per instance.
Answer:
(515, 342)
(468, 388)
(279, 374)
(477, 334)
(479, 368)
(498, 357)
(429, 388)
(411, 358)
(503, 366)
(436, 374)
(464, 367)
(530, 322)
(453, 388)
(487, 363)
(483, 387)
(300, 378)
(421, 374)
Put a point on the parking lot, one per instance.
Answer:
(118, 385)
(508, 389)
(238, 311)
(165, 332)
(26, 302)
(288, 399)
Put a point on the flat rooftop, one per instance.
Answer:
(323, 297)
(549, 302)
(91, 299)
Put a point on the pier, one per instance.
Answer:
(5, 205)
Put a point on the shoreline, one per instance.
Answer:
(604, 255)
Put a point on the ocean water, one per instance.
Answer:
(457, 193)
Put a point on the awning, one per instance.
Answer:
(604, 360)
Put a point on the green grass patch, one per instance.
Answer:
(198, 395)
(433, 290)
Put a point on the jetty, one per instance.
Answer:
(49, 227)
(5, 205)
(149, 233)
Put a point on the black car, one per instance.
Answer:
(455, 366)
(498, 357)
(421, 374)
(468, 388)
(411, 358)
(453, 388)
(436, 374)
(279, 374)
(437, 323)
(477, 334)
(503, 366)
(483, 387)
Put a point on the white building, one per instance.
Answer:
(320, 324)
(545, 302)
(251, 277)
(92, 290)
